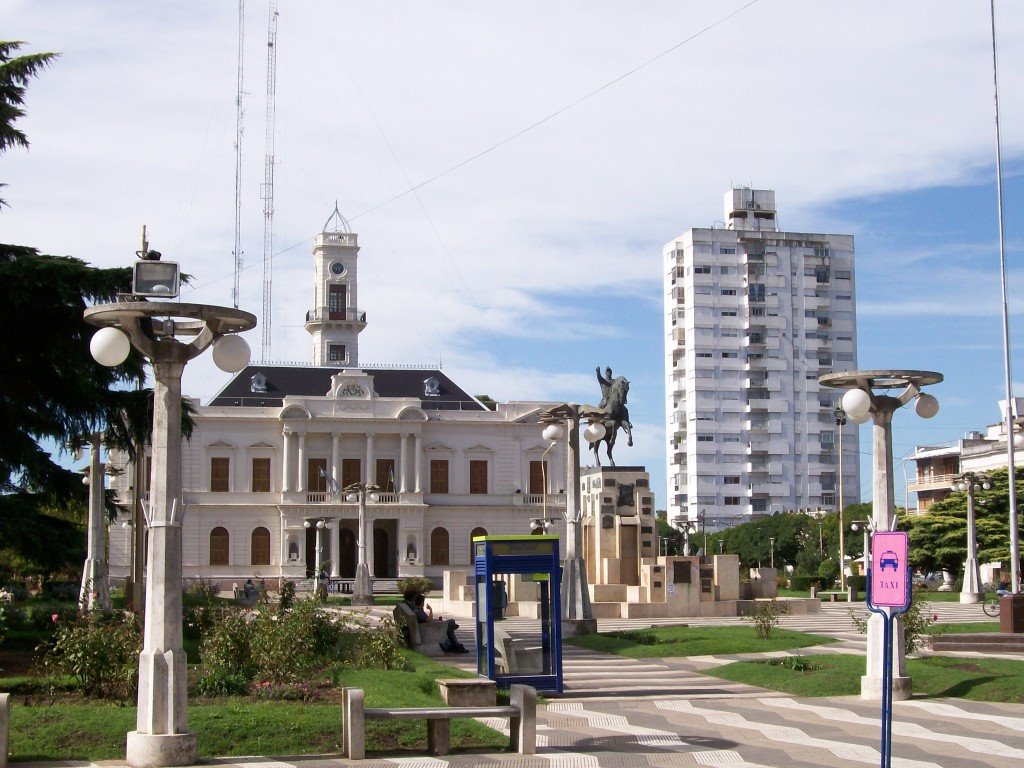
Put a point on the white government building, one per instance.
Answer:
(260, 463)
(753, 316)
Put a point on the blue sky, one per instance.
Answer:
(555, 148)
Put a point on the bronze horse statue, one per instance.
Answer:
(618, 417)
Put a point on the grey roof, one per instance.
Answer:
(310, 381)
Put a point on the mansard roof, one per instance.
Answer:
(315, 381)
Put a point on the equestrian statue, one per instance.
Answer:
(614, 392)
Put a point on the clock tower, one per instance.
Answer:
(335, 320)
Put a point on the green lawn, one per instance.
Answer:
(839, 675)
(240, 726)
(694, 641)
(966, 628)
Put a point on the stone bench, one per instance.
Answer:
(424, 638)
(521, 712)
(241, 598)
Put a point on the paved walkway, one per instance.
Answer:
(622, 713)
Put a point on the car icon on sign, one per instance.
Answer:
(888, 560)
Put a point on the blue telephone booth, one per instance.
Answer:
(525, 648)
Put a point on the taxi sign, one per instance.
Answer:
(890, 571)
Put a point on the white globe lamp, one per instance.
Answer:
(857, 404)
(553, 433)
(926, 406)
(594, 432)
(110, 346)
(231, 353)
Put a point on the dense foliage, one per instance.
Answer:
(938, 539)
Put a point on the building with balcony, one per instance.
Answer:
(273, 451)
(937, 465)
(753, 316)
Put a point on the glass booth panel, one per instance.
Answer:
(517, 607)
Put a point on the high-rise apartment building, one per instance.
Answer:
(753, 316)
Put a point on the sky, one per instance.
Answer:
(514, 171)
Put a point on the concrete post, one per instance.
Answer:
(577, 616)
(94, 593)
(883, 515)
(161, 737)
(971, 591)
(362, 588)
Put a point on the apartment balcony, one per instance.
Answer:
(930, 483)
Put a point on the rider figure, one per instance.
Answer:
(606, 385)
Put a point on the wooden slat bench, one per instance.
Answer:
(521, 712)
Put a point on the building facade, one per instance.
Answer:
(753, 316)
(937, 466)
(272, 453)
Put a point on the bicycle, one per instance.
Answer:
(991, 606)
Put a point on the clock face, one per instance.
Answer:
(338, 268)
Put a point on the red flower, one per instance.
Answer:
(54, 617)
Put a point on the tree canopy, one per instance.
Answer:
(938, 538)
(15, 72)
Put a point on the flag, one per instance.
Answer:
(332, 485)
(391, 478)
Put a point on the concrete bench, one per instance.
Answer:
(521, 712)
(243, 599)
(424, 638)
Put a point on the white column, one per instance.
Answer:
(417, 462)
(403, 467)
(370, 473)
(301, 484)
(335, 459)
(286, 477)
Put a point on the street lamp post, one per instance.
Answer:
(161, 737)
(821, 540)
(320, 526)
(94, 593)
(771, 543)
(866, 527)
(577, 615)
(971, 591)
(860, 403)
(840, 416)
(362, 589)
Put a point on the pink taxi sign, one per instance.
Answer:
(890, 571)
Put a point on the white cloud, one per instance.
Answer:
(546, 251)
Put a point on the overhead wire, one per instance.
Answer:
(532, 126)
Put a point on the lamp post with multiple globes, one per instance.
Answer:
(577, 616)
(168, 334)
(362, 588)
(861, 403)
(971, 591)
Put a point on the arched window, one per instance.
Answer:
(476, 532)
(439, 546)
(219, 546)
(260, 548)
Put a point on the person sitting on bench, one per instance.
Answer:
(424, 613)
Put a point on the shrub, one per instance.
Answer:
(290, 646)
(765, 617)
(794, 663)
(216, 683)
(915, 623)
(860, 583)
(378, 647)
(226, 649)
(640, 637)
(418, 583)
(803, 582)
(3, 622)
(99, 652)
(285, 691)
(201, 592)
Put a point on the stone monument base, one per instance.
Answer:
(161, 750)
(871, 688)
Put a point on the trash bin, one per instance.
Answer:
(1011, 613)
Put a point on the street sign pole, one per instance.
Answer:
(888, 594)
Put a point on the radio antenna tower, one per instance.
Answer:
(268, 181)
(239, 113)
